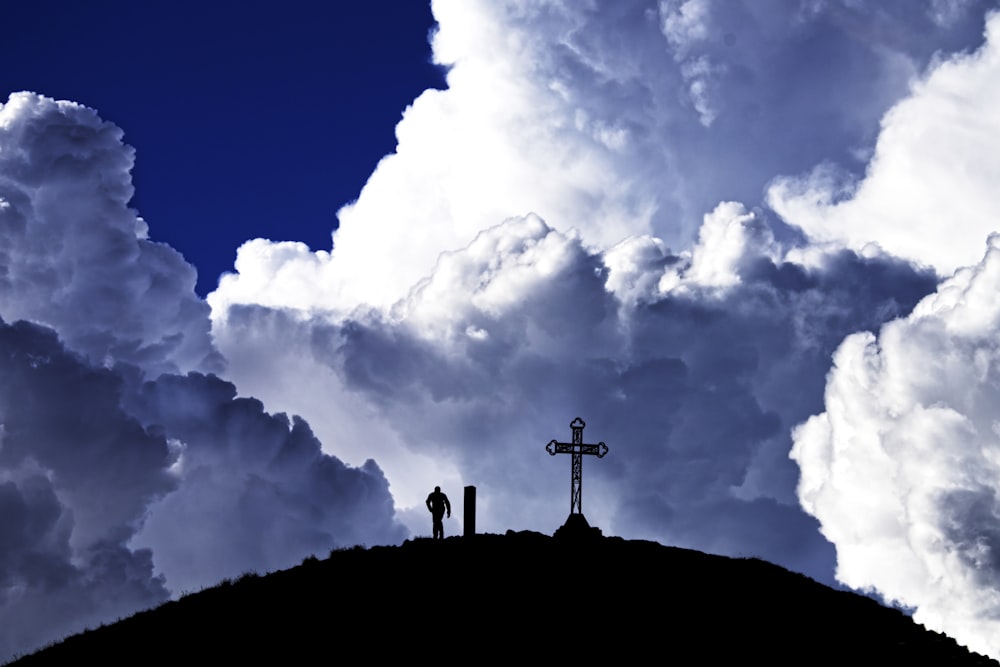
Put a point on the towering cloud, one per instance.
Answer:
(692, 344)
(76, 258)
(611, 118)
(902, 468)
(546, 242)
(692, 366)
(255, 491)
(120, 479)
(76, 476)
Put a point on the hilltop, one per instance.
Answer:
(523, 595)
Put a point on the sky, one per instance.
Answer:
(250, 109)
(268, 276)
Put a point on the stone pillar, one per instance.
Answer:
(470, 511)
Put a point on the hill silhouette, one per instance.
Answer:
(520, 595)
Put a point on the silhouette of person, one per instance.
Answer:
(437, 505)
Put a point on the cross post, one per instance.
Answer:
(577, 448)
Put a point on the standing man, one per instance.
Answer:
(437, 504)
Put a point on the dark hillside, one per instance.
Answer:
(521, 595)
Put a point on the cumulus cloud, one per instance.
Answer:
(115, 490)
(447, 333)
(75, 257)
(614, 119)
(121, 480)
(946, 131)
(693, 366)
(255, 492)
(449, 344)
(76, 475)
(902, 468)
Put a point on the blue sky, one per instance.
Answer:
(248, 119)
(752, 244)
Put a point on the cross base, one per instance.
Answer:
(576, 529)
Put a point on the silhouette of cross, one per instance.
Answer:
(577, 448)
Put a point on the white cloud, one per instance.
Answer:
(594, 118)
(727, 237)
(456, 341)
(902, 469)
(929, 194)
(684, 22)
(442, 342)
(695, 385)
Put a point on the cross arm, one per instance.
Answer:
(598, 450)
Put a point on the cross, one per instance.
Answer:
(577, 448)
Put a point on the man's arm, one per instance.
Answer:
(447, 506)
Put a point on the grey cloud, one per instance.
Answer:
(970, 519)
(120, 480)
(64, 416)
(256, 491)
(696, 389)
(786, 84)
(615, 119)
(115, 489)
(74, 255)
(694, 370)
(76, 475)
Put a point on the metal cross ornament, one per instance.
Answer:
(577, 448)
